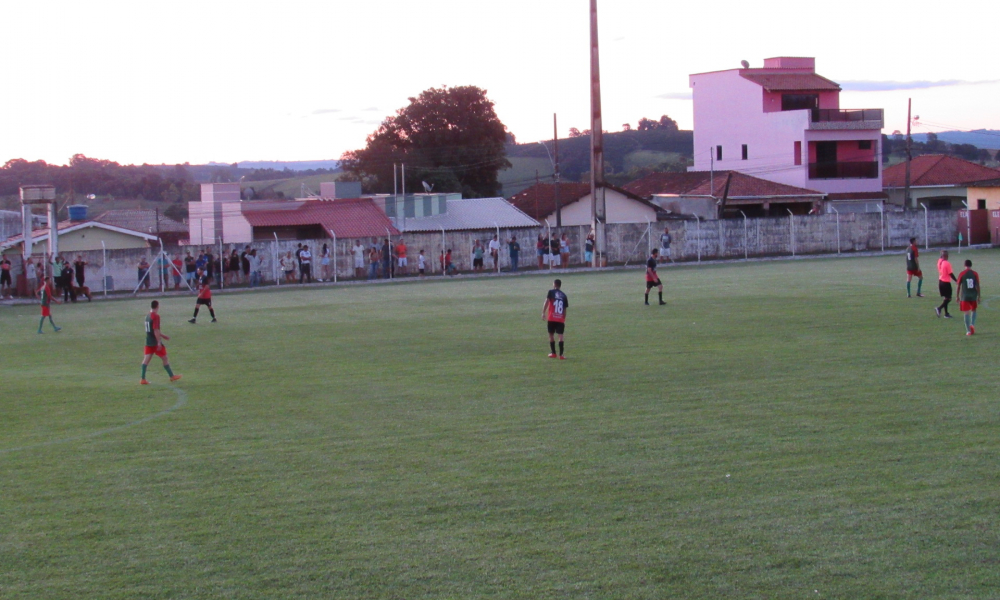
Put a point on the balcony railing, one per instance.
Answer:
(827, 115)
(843, 170)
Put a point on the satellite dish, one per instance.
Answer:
(745, 64)
(916, 117)
(427, 186)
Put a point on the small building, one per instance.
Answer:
(938, 181)
(784, 123)
(713, 195)
(306, 220)
(621, 206)
(984, 194)
(81, 236)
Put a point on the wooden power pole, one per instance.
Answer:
(598, 207)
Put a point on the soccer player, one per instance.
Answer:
(154, 343)
(968, 296)
(46, 293)
(554, 312)
(652, 280)
(913, 268)
(945, 277)
(204, 297)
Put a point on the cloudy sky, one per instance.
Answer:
(166, 82)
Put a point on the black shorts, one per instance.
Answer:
(421, 271)
(652, 284)
(477, 262)
(5, 277)
(204, 301)
(944, 287)
(557, 327)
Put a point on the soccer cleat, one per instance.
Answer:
(58, 328)
(968, 333)
(937, 310)
(553, 355)
(143, 382)
(215, 320)
(972, 330)
(561, 357)
(40, 331)
(920, 295)
(662, 303)
(647, 303)
(174, 377)
(191, 321)
(947, 316)
(909, 296)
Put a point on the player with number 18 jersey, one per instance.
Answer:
(554, 313)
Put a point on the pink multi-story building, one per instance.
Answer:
(783, 122)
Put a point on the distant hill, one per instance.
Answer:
(981, 138)
(281, 165)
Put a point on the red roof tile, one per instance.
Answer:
(937, 169)
(539, 201)
(700, 183)
(348, 218)
(790, 82)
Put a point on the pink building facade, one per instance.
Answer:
(784, 123)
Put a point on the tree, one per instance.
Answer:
(626, 127)
(449, 137)
(668, 123)
(574, 132)
(647, 124)
(932, 144)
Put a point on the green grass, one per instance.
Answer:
(650, 158)
(292, 187)
(780, 430)
(522, 173)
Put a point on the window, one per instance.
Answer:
(744, 151)
(799, 101)
(864, 144)
(718, 153)
(428, 207)
(390, 206)
(798, 153)
(981, 204)
(410, 207)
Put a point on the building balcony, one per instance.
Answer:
(844, 170)
(847, 119)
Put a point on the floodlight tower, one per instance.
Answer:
(44, 195)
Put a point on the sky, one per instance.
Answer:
(178, 81)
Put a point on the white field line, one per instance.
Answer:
(181, 401)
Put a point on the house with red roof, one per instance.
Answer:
(711, 195)
(540, 203)
(222, 216)
(937, 181)
(784, 123)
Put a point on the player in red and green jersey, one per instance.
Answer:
(968, 296)
(554, 312)
(204, 297)
(46, 293)
(154, 343)
(913, 268)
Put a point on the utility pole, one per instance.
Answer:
(909, 152)
(598, 207)
(555, 143)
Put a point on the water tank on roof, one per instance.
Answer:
(78, 212)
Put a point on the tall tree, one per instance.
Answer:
(449, 137)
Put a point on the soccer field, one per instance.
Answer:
(785, 429)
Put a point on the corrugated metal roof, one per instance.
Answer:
(355, 217)
(472, 213)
